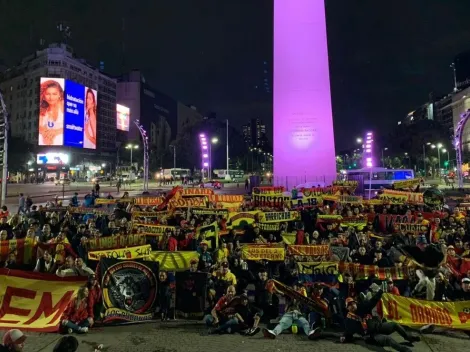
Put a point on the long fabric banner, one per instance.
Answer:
(173, 261)
(120, 241)
(190, 294)
(363, 272)
(24, 249)
(318, 268)
(154, 230)
(416, 313)
(309, 250)
(122, 253)
(129, 290)
(152, 201)
(270, 200)
(280, 216)
(411, 197)
(406, 184)
(391, 223)
(34, 301)
(258, 252)
(197, 202)
(241, 219)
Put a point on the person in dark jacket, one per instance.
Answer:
(46, 264)
(359, 321)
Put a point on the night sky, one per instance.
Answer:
(385, 57)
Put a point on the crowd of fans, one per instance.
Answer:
(341, 301)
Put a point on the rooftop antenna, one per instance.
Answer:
(65, 32)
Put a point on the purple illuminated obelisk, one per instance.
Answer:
(304, 146)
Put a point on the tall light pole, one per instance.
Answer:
(424, 157)
(383, 160)
(131, 147)
(227, 176)
(452, 65)
(438, 146)
(214, 140)
(174, 155)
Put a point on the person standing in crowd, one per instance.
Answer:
(13, 341)
(22, 204)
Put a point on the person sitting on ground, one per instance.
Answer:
(292, 317)
(13, 341)
(75, 316)
(46, 264)
(222, 320)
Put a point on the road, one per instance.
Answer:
(185, 337)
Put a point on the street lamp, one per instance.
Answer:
(359, 140)
(383, 160)
(438, 146)
(448, 157)
(131, 147)
(174, 155)
(214, 140)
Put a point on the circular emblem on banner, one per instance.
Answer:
(307, 193)
(433, 197)
(130, 286)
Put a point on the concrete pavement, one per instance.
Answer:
(185, 336)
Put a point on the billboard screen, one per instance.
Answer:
(52, 158)
(67, 114)
(122, 118)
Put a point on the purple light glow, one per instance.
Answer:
(303, 124)
(206, 164)
(202, 135)
(204, 147)
(369, 133)
(205, 155)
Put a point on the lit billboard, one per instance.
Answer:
(67, 114)
(122, 118)
(52, 158)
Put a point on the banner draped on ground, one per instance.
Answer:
(190, 294)
(173, 261)
(34, 301)
(416, 313)
(129, 290)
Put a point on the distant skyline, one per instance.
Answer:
(385, 58)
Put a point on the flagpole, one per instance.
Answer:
(227, 175)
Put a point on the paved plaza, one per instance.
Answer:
(176, 336)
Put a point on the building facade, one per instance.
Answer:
(20, 86)
(254, 133)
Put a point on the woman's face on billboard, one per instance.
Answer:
(52, 95)
(90, 101)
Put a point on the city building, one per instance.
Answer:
(20, 86)
(443, 112)
(254, 133)
(461, 66)
(161, 116)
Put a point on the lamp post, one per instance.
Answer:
(358, 140)
(27, 169)
(424, 157)
(214, 140)
(174, 155)
(131, 147)
(438, 146)
(448, 157)
(383, 160)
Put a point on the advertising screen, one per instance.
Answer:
(52, 158)
(67, 114)
(122, 118)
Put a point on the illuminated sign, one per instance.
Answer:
(52, 158)
(122, 117)
(67, 114)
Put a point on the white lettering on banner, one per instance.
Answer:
(278, 216)
(73, 127)
(74, 99)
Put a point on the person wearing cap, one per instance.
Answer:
(359, 321)
(13, 341)
(222, 319)
(205, 258)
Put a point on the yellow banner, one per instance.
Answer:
(147, 214)
(197, 202)
(288, 238)
(123, 253)
(34, 301)
(416, 313)
(113, 201)
(393, 198)
(112, 242)
(148, 200)
(306, 201)
(278, 216)
(412, 197)
(353, 221)
(195, 192)
(258, 252)
(154, 230)
(329, 217)
(240, 219)
(272, 227)
(209, 233)
(406, 184)
(207, 211)
(318, 268)
(270, 200)
(350, 199)
(173, 261)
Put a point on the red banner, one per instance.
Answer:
(309, 250)
(388, 222)
(23, 249)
